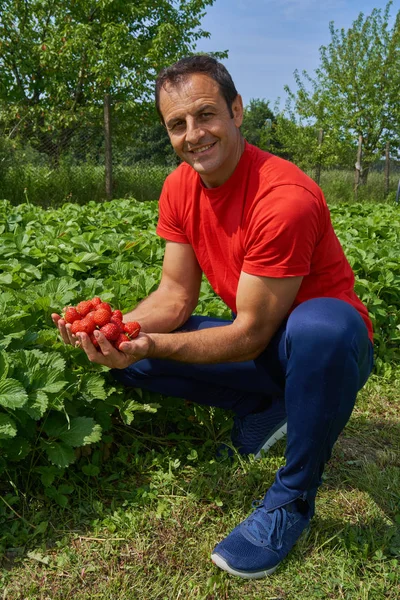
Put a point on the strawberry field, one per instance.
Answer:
(52, 400)
(56, 408)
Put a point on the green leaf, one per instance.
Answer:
(37, 404)
(4, 365)
(91, 470)
(82, 431)
(8, 428)
(54, 424)
(59, 454)
(17, 448)
(6, 278)
(49, 474)
(92, 387)
(12, 394)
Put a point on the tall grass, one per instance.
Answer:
(338, 186)
(51, 187)
(45, 186)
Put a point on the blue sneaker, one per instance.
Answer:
(255, 548)
(259, 431)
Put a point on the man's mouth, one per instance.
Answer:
(202, 148)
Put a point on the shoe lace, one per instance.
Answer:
(268, 527)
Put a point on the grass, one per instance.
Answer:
(143, 528)
(47, 187)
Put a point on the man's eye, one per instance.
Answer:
(206, 115)
(179, 125)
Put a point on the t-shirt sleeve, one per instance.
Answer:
(168, 226)
(282, 233)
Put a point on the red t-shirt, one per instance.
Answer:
(269, 219)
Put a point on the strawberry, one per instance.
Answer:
(87, 325)
(117, 314)
(118, 323)
(101, 317)
(96, 301)
(90, 319)
(71, 314)
(105, 306)
(75, 327)
(110, 331)
(132, 328)
(121, 339)
(84, 307)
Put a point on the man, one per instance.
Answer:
(300, 345)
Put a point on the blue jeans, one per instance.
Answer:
(316, 363)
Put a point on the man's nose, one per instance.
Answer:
(193, 131)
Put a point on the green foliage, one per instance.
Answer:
(258, 119)
(356, 88)
(59, 59)
(47, 186)
(52, 400)
(301, 143)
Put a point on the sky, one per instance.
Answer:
(268, 40)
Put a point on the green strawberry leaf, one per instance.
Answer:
(92, 387)
(12, 394)
(82, 431)
(59, 454)
(8, 428)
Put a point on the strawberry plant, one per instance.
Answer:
(52, 400)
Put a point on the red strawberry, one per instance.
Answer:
(87, 325)
(121, 339)
(90, 319)
(96, 301)
(71, 314)
(105, 306)
(117, 314)
(111, 331)
(101, 317)
(75, 327)
(132, 328)
(118, 323)
(84, 307)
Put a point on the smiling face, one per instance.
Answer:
(201, 129)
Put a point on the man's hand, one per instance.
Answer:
(108, 356)
(64, 329)
(129, 352)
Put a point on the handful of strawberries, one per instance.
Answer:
(93, 314)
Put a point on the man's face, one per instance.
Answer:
(200, 128)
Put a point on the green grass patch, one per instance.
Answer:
(144, 525)
(52, 187)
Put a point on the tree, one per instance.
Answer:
(58, 59)
(257, 123)
(356, 89)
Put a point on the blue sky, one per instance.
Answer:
(268, 39)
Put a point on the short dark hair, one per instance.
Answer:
(200, 63)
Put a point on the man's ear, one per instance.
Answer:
(237, 110)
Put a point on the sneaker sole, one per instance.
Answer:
(275, 436)
(222, 564)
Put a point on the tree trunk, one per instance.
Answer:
(108, 147)
(358, 167)
(319, 163)
(387, 168)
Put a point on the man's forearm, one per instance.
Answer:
(160, 312)
(227, 343)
